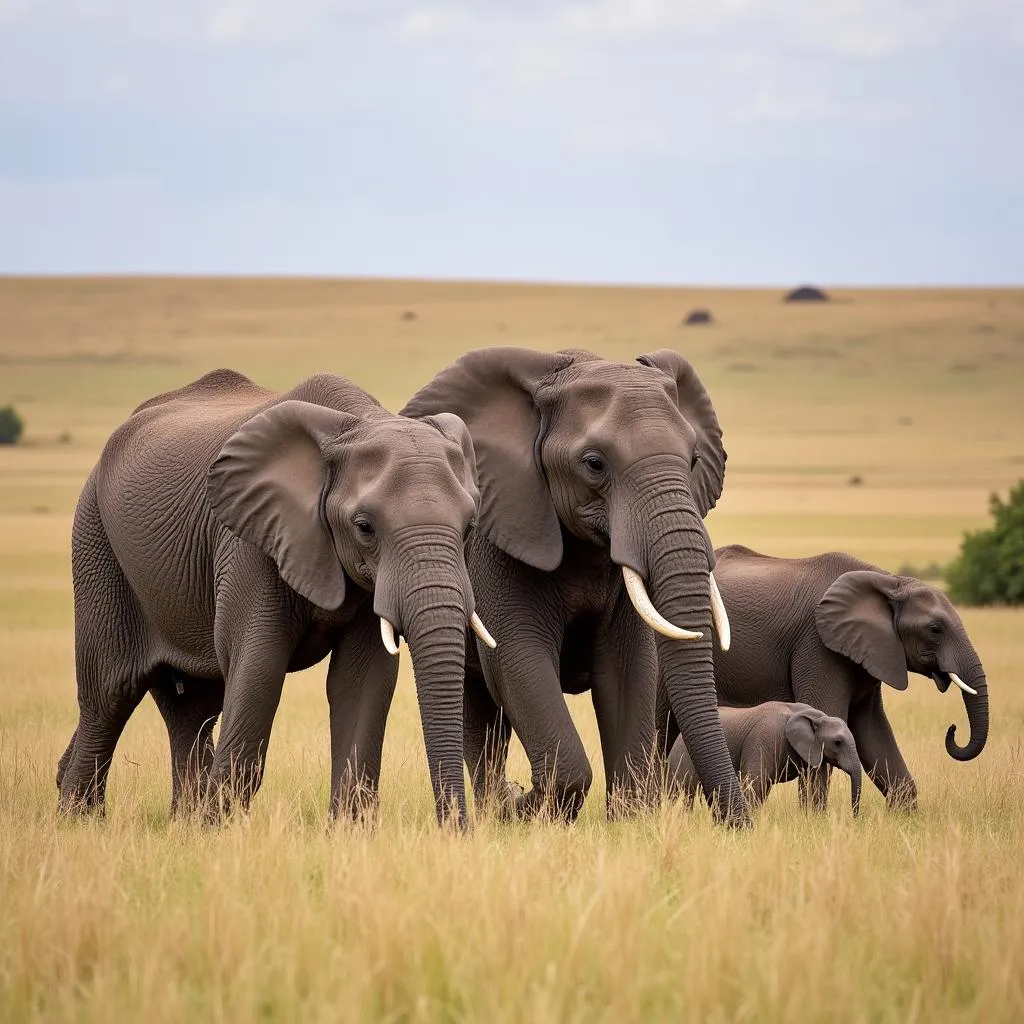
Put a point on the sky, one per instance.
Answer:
(642, 141)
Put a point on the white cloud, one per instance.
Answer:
(431, 22)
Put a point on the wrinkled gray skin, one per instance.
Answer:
(827, 631)
(774, 742)
(230, 535)
(586, 466)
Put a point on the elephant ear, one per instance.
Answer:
(855, 619)
(493, 390)
(695, 404)
(802, 737)
(454, 429)
(267, 487)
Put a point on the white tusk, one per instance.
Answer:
(387, 634)
(481, 631)
(718, 614)
(645, 609)
(957, 681)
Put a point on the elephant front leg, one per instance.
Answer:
(254, 678)
(361, 681)
(625, 676)
(523, 674)
(814, 784)
(486, 736)
(879, 754)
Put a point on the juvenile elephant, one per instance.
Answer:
(230, 535)
(827, 631)
(594, 480)
(775, 742)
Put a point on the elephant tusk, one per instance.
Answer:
(481, 631)
(719, 615)
(645, 609)
(387, 634)
(957, 681)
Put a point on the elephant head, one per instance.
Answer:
(816, 737)
(382, 503)
(892, 624)
(627, 456)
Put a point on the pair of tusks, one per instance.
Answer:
(645, 609)
(391, 642)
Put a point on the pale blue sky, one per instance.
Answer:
(703, 141)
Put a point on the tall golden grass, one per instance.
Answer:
(279, 917)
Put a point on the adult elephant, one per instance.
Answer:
(230, 535)
(594, 480)
(828, 631)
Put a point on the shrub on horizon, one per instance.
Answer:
(990, 566)
(11, 425)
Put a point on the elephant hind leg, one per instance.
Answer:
(112, 663)
(190, 708)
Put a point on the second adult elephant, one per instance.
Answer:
(594, 480)
(829, 631)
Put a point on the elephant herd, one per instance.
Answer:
(531, 524)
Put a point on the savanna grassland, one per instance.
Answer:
(920, 394)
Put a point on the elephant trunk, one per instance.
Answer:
(671, 549)
(431, 606)
(849, 762)
(977, 715)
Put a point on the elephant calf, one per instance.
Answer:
(774, 742)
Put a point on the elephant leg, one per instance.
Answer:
(814, 784)
(110, 660)
(625, 678)
(361, 680)
(821, 678)
(523, 674)
(666, 726)
(65, 759)
(879, 754)
(254, 676)
(190, 708)
(487, 734)
(83, 781)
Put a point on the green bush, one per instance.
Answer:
(11, 425)
(990, 566)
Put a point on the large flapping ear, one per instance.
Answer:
(695, 405)
(855, 618)
(492, 390)
(267, 487)
(455, 430)
(802, 737)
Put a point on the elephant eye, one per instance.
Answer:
(594, 463)
(694, 458)
(363, 527)
(935, 628)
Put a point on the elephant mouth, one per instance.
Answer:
(943, 680)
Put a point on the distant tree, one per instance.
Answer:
(11, 425)
(990, 566)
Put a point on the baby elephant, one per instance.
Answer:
(774, 742)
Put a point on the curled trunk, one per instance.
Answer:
(977, 716)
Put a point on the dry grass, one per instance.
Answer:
(889, 918)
